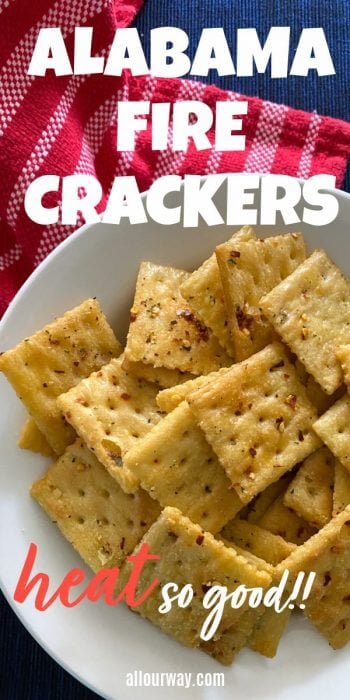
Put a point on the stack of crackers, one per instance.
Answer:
(220, 435)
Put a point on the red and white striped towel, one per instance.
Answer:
(67, 125)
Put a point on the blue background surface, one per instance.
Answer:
(26, 672)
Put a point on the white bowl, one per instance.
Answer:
(97, 644)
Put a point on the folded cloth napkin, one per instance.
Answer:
(67, 125)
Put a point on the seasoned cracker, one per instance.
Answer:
(327, 554)
(53, 360)
(111, 411)
(310, 494)
(31, 438)
(311, 310)
(250, 269)
(260, 542)
(334, 429)
(284, 522)
(341, 496)
(163, 377)
(188, 555)
(100, 521)
(163, 331)
(175, 464)
(205, 295)
(258, 420)
(169, 398)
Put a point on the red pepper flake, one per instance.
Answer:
(235, 254)
(286, 376)
(291, 401)
(200, 539)
(132, 317)
(76, 364)
(53, 341)
(122, 543)
(59, 371)
(301, 436)
(252, 451)
(327, 579)
(205, 587)
(189, 316)
(125, 396)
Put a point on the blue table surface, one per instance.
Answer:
(26, 671)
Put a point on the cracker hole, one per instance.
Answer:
(172, 536)
(81, 492)
(105, 493)
(81, 520)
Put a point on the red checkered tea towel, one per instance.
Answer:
(65, 125)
